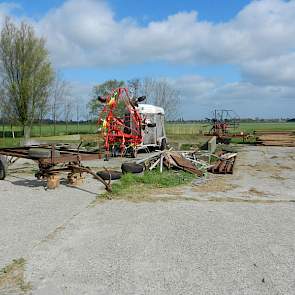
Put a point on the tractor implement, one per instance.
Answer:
(52, 161)
(127, 125)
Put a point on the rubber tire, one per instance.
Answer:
(163, 145)
(106, 176)
(42, 153)
(131, 168)
(3, 167)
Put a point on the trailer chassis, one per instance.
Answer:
(50, 167)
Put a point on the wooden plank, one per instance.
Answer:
(212, 145)
(155, 164)
(161, 163)
(228, 156)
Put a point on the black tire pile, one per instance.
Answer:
(125, 167)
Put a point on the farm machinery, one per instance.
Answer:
(52, 161)
(222, 124)
(128, 126)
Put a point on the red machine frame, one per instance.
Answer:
(124, 133)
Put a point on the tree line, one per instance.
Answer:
(32, 90)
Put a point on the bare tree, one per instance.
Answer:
(78, 113)
(42, 110)
(68, 112)
(167, 97)
(134, 86)
(60, 90)
(25, 70)
(2, 111)
(147, 88)
(162, 93)
(158, 91)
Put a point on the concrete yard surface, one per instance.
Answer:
(231, 234)
(170, 248)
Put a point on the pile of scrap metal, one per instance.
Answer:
(224, 165)
(189, 161)
(185, 161)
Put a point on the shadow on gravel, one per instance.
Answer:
(21, 181)
(82, 189)
(27, 182)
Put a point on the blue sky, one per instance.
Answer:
(221, 53)
(144, 10)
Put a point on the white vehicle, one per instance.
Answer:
(154, 134)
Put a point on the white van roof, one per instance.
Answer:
(150, 109)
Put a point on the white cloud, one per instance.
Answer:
(6, 10)
(195, 87)
(201, 95)
(89, 30)
(86, 33)
(259, 41)
(279, 70)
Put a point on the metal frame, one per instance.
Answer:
(222, 122)
(71, 160)
(124, 133)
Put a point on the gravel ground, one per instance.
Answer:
(28, 212)
(170, 248)
(227, 245)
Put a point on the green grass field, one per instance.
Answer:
(174, 130)
(181, 129)
(48, 129)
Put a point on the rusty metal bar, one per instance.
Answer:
(71, 159)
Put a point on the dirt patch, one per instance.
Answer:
(278, 177)
(12, 278)
(53, 234)
(172, 191)
(265, 167)
(215, 185)
(253, 201)
(146, 195)
(254, 191)
(256, 167)
(285, 167)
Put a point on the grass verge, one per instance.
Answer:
(12, 277)
(148, 186)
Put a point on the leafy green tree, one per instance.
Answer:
(26, 72)
(104, 89)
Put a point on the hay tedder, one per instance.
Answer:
(128, 126)
(224, 124)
